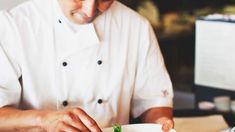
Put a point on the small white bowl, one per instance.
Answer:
(222, 103)
(206, 105)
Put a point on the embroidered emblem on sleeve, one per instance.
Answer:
(165, 93)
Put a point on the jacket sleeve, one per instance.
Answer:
(153, 86)
(10, 88)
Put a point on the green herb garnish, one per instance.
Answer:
(117, 128)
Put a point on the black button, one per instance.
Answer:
(65, 103)
(64, 63)
(99, 62)
(100, 101)
(59, 21)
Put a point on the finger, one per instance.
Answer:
(87, 120)
(66, 128)
(167, 125)
(74, 121)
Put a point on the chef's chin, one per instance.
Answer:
(79, 19)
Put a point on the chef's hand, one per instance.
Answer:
(69, 120)
(167, 123)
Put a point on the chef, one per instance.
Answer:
(80, 65)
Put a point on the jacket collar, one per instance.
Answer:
(85, 33)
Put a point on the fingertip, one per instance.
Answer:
(166, 127)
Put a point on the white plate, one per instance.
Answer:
(139, 128)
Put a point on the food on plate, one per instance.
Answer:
(117, 128)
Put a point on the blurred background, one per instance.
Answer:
(174, 22)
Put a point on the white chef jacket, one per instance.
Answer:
(110, 68)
